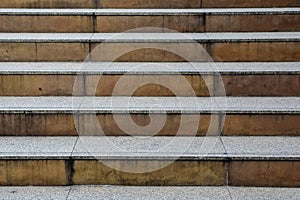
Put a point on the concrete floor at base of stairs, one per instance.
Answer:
(126, 192)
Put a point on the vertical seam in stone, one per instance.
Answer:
(201, 3)
(70, 170)
(221, 120)
(94, 19)
(70, 163)
(96, 4)
(228, 190)
(227, 164)
(204, 21)
(207, 46)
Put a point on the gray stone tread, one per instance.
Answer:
(153, 148)
(107, 192)
(145, 105)
(150, 37)
(123, 12)
(154, 68)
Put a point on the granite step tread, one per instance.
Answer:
(145, 105)
(141, 12)
(147, 193)
(150, 37)
(152, 148)
(151, 68)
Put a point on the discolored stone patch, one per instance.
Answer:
(177, 173)
(255, 125)
(37, 125)
(106, 124)
(33, 172)
(264, 173)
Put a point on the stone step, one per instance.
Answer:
(149, 47)
(148, 193)
(147, 116)
(120, 20)
(150, 161)
(149, 79)
(145, 3)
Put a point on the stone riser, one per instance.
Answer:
(33, 124)
(251, 51)
(145, 3)
(188, 173)
(181, 23)
(205, 85)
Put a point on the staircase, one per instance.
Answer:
(149, 99)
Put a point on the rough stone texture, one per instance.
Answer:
(178, 23)
(34, 192)
(145, 3)
(43, 51)
(153, 105)
(150, 148)
(260, 148)
(46, 24)
(250, 3)
(255, 51)
(41, 85)
(260, 85)
(33, 172)
(235, 125)
(62, 51)
(37, 125)
(149, 85)
(151, 47)
(48, 4)
(148, 193)
(18, 52)
(110, 20)
(148, 52)
(149, 4)
(177, 173)
(156, 68)
(47, 37)
(189, 125)
(30, 147)
(254, 23)
(261, 193)
(151, 37)
(266, 174)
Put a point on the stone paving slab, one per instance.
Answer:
(34, 193)
(36, 147)
(147, 193)
(149, 68)
(164, 193)
(262, 147)
(149, 37)
(145, 105)
(161, 148)
(261, 193)
(136, 12)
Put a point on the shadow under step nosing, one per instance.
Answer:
(92, 160)
(149, 79)
(145, 3)
(150, 47)
(121, 20)
(123, 116)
